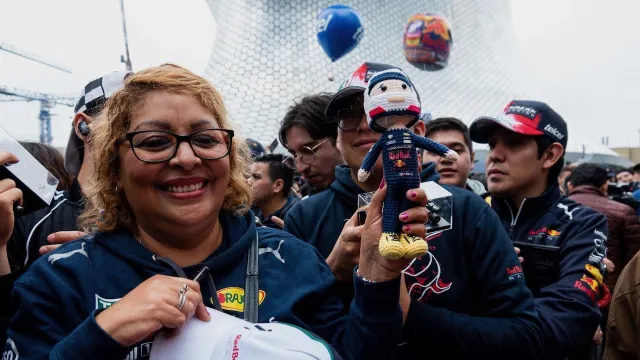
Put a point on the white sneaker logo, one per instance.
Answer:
(275, 252)
(55, 257)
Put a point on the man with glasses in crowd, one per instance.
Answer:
(467, 297)
(310, 137)
(319, 219)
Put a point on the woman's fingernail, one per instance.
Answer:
(413, 194)
(406, 228)
(404, 216)
(382, 183)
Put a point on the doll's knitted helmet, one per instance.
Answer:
(390, 92)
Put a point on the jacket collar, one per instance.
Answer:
(530, 205)
(587, 189)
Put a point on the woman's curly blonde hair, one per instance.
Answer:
(107, 209)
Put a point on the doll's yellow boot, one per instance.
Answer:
(414, 246)
(390, 246)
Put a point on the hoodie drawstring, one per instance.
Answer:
(211, 287)
(251, 291)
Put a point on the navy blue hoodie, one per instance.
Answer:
(469, 297)
(567, 308)
(319, 219)
(60, 295)
(280, 213)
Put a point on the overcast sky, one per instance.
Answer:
(580, 56)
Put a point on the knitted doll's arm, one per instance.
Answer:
(369, 161)
(434, 147)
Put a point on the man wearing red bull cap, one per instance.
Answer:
(527, 143)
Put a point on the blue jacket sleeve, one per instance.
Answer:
(505, 325)
(51, 323)
(567, 308)
(372, 156)
(373, 327)
(429, 145)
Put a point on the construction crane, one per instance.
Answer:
(125, 58)
(47, 101)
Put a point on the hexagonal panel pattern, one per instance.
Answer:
(266, 55)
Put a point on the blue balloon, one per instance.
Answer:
(339, 30)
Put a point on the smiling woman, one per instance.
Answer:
(139, 108)
(168, 202)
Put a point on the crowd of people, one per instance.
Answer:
(157, 189)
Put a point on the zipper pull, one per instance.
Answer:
(511, 228)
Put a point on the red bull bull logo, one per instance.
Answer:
(232, 298)
(593, 284)
(594, 272)
(423, 277)
(552, 232)
(587, 285)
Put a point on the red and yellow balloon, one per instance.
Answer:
(427, 41)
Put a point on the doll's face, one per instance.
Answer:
(392, 86)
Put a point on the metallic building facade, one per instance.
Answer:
(266, 55)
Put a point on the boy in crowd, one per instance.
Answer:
(271, 182)
(454, 134)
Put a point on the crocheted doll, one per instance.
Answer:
(392, 106)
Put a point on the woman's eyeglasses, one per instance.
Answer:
(305, 154)
(155, 146)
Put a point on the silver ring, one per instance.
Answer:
(184, 289)
(182, 297)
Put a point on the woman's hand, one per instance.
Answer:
(372, 265)
(151, 306)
